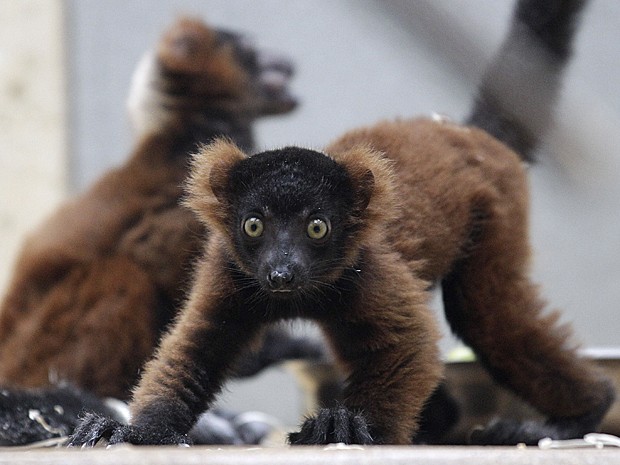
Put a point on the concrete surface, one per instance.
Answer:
(126, 455)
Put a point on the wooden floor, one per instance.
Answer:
(381, 455)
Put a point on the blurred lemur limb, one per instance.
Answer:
(98, 282)
(353, 238)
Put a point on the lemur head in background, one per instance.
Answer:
(197, 72)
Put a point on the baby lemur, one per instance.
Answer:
(353, 237)
(97, 283)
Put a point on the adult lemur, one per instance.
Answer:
(353, 237)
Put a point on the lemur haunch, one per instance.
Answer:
(353, 237)
(96, 284)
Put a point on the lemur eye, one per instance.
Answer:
(317, 229)
(253, 227)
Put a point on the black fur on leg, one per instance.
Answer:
(31, 415)
(278, 346)
(504, 432)
(148, 436)
(439, 415)
(93, 428)
(511, 432)
(334, 425)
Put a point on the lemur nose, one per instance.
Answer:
(280, 279)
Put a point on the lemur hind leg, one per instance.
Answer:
(494, 307)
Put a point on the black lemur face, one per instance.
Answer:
(292, 213)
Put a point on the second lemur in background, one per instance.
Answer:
(96, 284)
(352, 237)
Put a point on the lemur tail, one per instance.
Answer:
(518, 91)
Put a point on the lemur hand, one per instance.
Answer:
(94, 428)
(333, 425)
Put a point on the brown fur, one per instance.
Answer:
(465, 217)
(444, 202)
(83, 302)
(410, 203)
(96, 284)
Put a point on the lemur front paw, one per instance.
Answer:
(93, 428)
(333, 425)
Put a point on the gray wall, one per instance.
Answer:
(362, 60)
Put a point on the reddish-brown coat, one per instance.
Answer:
(448, 203)
(96, 283)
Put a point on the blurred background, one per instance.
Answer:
(65, 70)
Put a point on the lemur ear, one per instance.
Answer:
(364, 185)
(207, 185)
(184, 43)
(371, 176)
(224, 156)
